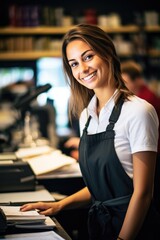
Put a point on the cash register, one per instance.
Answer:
(15, 175)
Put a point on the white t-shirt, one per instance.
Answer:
(136, 129)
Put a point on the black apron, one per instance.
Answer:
(111, 188)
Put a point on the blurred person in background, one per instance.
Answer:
(133, 76)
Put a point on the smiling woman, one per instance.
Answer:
(87, 67)
(117, 167)
(90, 52)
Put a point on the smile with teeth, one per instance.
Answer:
(89, 76)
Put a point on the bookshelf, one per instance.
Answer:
(20, 35)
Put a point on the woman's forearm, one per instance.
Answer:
(135, 216)
(79, 199)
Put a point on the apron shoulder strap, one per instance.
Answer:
(115, 114)
(87, 124)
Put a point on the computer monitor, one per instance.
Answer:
(10, 75)
(50, 70)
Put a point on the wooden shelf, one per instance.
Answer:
(152, 29)
(121, 29)
(154, 53)
(60, 30)
(33, 30)
(41, 30)
(29, 55)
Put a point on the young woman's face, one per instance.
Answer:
(87, 67)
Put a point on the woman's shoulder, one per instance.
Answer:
(138, 114)
(138, 105)
(137, 110)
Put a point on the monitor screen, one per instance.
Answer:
(50, 70)
(11, 75)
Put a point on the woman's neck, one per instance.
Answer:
(103, 97)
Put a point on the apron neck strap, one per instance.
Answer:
(87, 124)
(115, 114)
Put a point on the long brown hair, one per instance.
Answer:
(103, 46)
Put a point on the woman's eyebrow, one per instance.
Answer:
(81, 55)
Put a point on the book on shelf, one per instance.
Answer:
(18, 43)
(28, 220)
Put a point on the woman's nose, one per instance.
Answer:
(83, 67)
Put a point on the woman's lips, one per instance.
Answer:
(89, 77)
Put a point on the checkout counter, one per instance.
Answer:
(19, 179)
(19, 198)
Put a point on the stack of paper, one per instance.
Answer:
(30, 219)
(47, 162)
(47, 235)
(40, 194)
(47, 224)
(33, 151)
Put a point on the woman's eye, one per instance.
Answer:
(74, 64)
(88, 57)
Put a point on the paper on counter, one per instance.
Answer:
(49, 162)
(47, 235)
(23, 197)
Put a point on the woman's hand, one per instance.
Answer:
(49, 208)
(72, 142)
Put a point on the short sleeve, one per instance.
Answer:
(143, 129)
